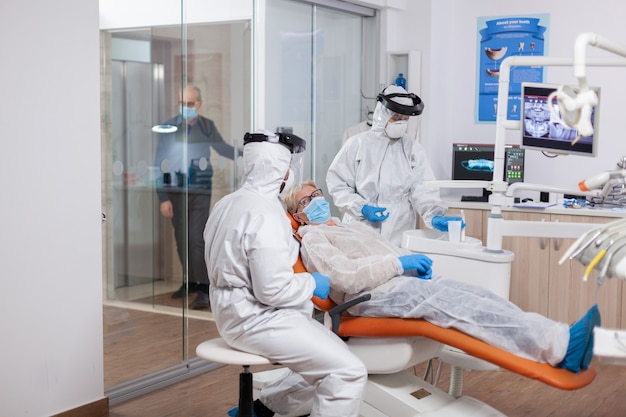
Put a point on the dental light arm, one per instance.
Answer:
(576, 104)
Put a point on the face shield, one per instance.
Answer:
(401, 102)
(397, 106)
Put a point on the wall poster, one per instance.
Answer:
(499, 38)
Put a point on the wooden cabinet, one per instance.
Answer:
(541, 285)
(570, 296)
(530, 268)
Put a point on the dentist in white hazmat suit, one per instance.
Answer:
(260, 305)
(377, 176)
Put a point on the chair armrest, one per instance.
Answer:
(335, 312)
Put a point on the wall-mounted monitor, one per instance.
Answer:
(473, 161)
(542, 132)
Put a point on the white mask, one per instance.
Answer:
(396, 129)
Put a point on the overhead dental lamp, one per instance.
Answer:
(576, 104)
(575, 108)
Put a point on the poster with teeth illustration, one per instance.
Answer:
(498, 39)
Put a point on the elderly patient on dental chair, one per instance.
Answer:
(359, 261)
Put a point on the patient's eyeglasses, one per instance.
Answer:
(304, 201)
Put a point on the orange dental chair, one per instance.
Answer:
(391, 346)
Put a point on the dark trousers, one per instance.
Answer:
(191, 212)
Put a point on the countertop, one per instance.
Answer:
(556, 209)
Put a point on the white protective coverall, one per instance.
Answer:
(261, 306)
(372, 169)
(357, 260)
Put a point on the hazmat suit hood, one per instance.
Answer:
(264, 167)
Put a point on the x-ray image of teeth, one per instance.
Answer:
(483, 165)
(537, 118)
(558, 131)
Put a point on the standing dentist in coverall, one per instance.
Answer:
(260, 305)
(377, 176)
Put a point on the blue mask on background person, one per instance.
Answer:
(318, 210)
(188, 113)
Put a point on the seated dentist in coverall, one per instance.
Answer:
(377, 176)
(359, 260)
(260, 305)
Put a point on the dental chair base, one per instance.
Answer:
(400, 394)
(405, 395)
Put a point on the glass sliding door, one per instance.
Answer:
(315, 76)
(156, 151)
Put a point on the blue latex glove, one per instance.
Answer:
(441, 222)
(322, 285)
(422, 264)
(374, 214)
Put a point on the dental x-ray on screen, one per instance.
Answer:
(542, 131)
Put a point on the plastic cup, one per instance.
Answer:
(454, 231)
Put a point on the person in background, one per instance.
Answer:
(358, 260)
(185, 197)
(377, 176)
(260, 305)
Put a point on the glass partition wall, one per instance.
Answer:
(317, 82)
(314, 79)
(163, 169)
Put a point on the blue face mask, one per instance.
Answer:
(188, 113)
(318, 210)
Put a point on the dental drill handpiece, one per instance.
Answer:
(598, 256)
(578, 247)
(617, 243)
(581, 244)
(609, 238)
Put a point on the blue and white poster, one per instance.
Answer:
(500, 38)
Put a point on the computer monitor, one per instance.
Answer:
(471, 161)
(542, 132)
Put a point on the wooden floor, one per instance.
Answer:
(213, 393)
(137, 342)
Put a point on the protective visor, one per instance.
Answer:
(294, 143)
(413, 110)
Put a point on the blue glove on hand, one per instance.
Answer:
(441, 223)
(322, 285)
(422, 264)
(374, 214)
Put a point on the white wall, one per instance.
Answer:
(123, 14)
(449, 81)
(51, 263)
